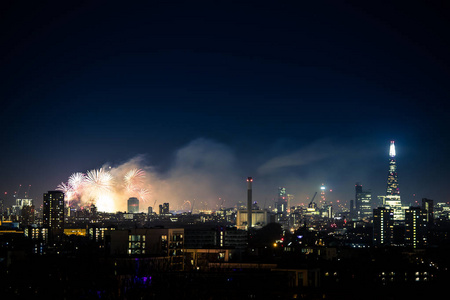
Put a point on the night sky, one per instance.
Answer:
(203, 94)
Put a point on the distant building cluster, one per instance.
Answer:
(195, 241)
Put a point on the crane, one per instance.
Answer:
(310, 203)
(18, 191)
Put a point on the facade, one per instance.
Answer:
(416, 229)
(39, 237)
(133, 205)
(218, 237)
(53, 213)
(392, 199)
(282, 201)
(166, 243)
(427, 204)
(323, 198)
(259, 218)
(363, 202)
(27, 215)
(392, 180)
(383, 226)
(164, 209)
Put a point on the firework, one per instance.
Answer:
(67, 190)
(99, 180)
(101, 188)
(133, 179)
(76, 180)
(143, 194)
(63, 187)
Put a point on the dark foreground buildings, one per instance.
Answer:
(87, 254)
(210, 261)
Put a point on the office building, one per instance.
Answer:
(166, 243)
(53, 213)
(27, 215)
(392, 180)
(133, 205)
(416, 230)
(259, 218)
(427, 205)
(363, 202)
(282, 201)
(164, 209)
(323, 198)
(383, 226)
(392, 199)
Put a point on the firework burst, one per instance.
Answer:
(104, 188)
(67, 190)
(99, 180)
(143, 194)
(76, 180)
(133, 179)
(64, 187)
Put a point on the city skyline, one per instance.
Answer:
(112, 198)
(203, 96)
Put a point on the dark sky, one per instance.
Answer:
(294, 94)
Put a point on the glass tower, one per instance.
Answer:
(392, 199)
(392, 180)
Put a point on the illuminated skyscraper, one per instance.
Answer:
(322, 195)
(53, 213)
(133, 205)
(363, 202)
(392, 199)
(282, 202)
(392, 180)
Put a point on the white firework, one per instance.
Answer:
(99, 180)
(143, 194)
(67, 190)
(76, 180)
(64, 187)
(133, 179)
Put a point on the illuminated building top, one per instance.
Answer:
(392, 149)
(392, 180)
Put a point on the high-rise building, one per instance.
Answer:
(383, 226)
(53, 213)
(27, 215)
(282, 201)
(416, 230)
(392, 199)
(323, 198)
(363, 202)
(352, 209)
(249, 203)
(164, 209)
(133, 205)
(392, 180)
(427, 204)
(358, 190)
